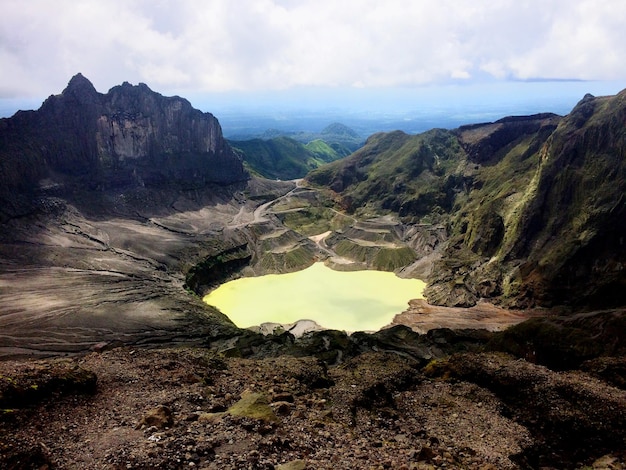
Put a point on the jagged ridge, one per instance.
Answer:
(130, 136)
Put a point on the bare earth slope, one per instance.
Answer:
(69, 280)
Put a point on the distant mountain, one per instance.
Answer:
(130, 136)
(337, 130)
(337, 135)
(286, 158)
(288, 155)
(533, 206)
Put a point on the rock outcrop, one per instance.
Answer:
(130, 136)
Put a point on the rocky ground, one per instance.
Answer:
(111, 267)
(192, 408)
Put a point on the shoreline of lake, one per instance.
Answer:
(343, 300)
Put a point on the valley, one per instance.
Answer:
(122, 210)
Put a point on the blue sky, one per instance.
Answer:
(316, 50)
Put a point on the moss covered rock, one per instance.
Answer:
(253, 405)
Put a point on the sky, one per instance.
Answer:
(259, 47)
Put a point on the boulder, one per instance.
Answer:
(159, 417)
(253, 405)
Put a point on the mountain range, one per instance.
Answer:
(533, 206)
(119, 210)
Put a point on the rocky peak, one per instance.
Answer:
(130, 136)
(79, 85)
(79, 93)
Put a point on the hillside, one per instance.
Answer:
(532, 205)
(291, 155)
(285, 158)
(406, 174)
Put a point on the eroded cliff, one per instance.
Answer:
(130, 136)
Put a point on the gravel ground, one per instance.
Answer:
(189, 408)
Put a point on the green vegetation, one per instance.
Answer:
(255, 406)
(287, 260)
(279, 155)
(278, 158)
(498, 189)
(538, 190)
(382, 258)
(327, 152)
(284, 157)
(412, 175)
(390, 259)
(314, 220)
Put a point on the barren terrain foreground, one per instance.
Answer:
(190, 408)
(120, 210)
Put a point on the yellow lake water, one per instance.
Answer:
(350, 301)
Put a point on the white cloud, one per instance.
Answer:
(217, 45)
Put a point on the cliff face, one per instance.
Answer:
(128, 136)
(558, 197)
(572, 230)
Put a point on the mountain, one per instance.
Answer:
(327, 152)
(571, 224)
(394, 172)
(339, 136)
(130, 136)
(339, 131)
(117, 215)
(285, 158)
(107, 202)
(533, 206)
(288, 155)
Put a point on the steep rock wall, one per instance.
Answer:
(572, 232)
(130, 136)
(545, 221)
